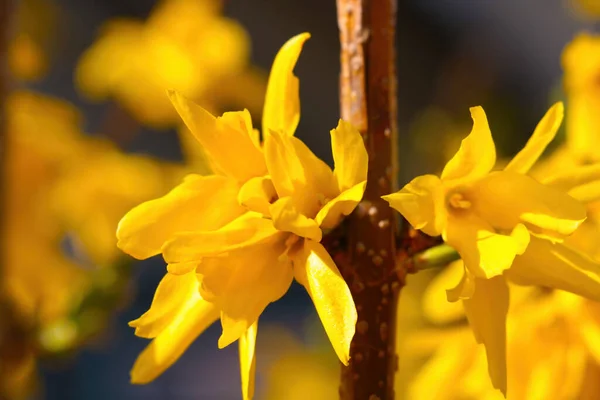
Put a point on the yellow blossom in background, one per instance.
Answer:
(28, 50)
(504, 224)
(552, 340)
(234, 241)
(186, 45)
(588, 8)
(581, 65)
(59, 184)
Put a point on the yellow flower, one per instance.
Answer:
(185, 45)
(581, 65)
(504, 224)
(552, 340)
(235, 240)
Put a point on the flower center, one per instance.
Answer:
(457, 201)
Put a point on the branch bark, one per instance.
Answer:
(368, 100)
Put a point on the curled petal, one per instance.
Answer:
(227, 141)
(247, 345)
(170, 344)
(287, 218)
(173, 294)
(249, 229)
(282, 101)
(421, 202)
(557, 266)
(333, 211)
(316, 271)
(257, 195)
(349, 156)
(477, 153)
(485, 253)
(544, 133)
(505, 198)
(486, 311)
(199, 203)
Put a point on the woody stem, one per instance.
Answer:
(368, 101)
(379, 254)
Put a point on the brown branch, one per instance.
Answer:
(368, 100)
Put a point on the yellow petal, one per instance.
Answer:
(573, 177)
(167, 347)
(199, 203)
(249, 229)
(226, 140)
(465, 288)
(172, 295)
(557, 266)
(505, 198)
(247, 344)
(544, 133)
(243, 282)
(435, 304)
(486, 312)
(349, 155)
(295, 170)
(316, 271)
(587, 193)
(257, 194)
(331, 214)
(287, 218)
(421, 202)
(282, 101)
(182, 267)
(477, 153)
(485, 253)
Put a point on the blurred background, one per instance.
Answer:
(90, 134)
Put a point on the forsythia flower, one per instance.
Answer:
(504, 224)
(185, 44)
(552, 341)
(234, 241)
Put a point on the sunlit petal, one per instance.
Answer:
(421, 202)
(484, 252)
(542, 136)
(349, 156)
(243, 282)
(199, 203)
(557, 266)
(282, 101)
(316, 271)
(331, 213)
(249, 229)
(477, 153)
(172, 294)
(287, 218)
(170, 344)
(247, 345)
(226, 140)
(257, 194)
(505, 198)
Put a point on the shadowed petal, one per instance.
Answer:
(486, 311)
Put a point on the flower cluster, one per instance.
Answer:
(235, 240)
